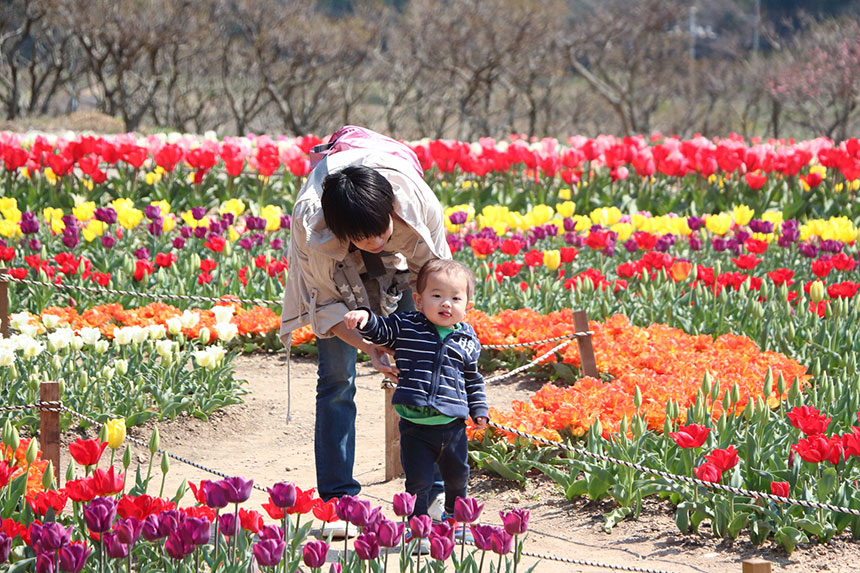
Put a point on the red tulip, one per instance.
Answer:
(724, 459)
(779, 488)
(746, 262)
(808, 420)
(690, 436)
(87, 452)
(708, 472)
(816, 449)
(755, 180)
(106, 482)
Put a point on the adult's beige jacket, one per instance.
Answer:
(324, 277)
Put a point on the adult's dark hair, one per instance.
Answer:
(357, 203)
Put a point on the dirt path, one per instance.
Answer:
(253, 440)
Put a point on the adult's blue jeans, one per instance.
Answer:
(334, 428)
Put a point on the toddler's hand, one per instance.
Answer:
(481, 422)
(356, 318)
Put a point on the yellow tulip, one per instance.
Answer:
(719, 224)
(564, 193)
(552, 259)
(234, 206)
(84, 211)
(774, 217)
(163, 205)
(94, 228)
(9, 228)
(272, 215)
(742, 214)
(624, 230)
(606, 216)
(565, 209)
(169, 223)
(115, 432)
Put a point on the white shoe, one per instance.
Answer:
(436, 508)
(339, 530)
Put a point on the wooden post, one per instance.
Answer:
(49, 430)
(393, 467)
(586, 349)
(4, 305)
(755, 566)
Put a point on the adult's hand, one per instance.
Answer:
(381, 358)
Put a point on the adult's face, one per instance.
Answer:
(375, 244)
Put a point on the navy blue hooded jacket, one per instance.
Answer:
(442, 374)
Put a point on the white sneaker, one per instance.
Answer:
(436, 508)
(338, 530)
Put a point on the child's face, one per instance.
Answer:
(444, 300)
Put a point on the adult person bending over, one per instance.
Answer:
(362, 227)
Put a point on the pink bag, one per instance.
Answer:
(354, 137)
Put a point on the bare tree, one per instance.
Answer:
(817, 82)
(35, 57)
(629, 55)
(122, 41)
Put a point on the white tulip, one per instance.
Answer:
(50, 321)
(19, 319)
(101, 346)
(174, 325)
(223, 313)
(156, 331)
(7, 356)
(138, 334)
(226, 331)
(165, 348)
(30, 330)
(122, 335)
(202, 357)
(121, 366)
(77, 343)
(189, 319)
(89, 335)
(31, 348)
(60, 338)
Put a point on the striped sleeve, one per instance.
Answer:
(381, 330)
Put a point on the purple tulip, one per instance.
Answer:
(360, 513)
(539, 233)
(335, 568)
(228, 219)
(176, 546)
(283, 495)
(142, 254)
(128, 530)
(200, 232)
(608, 250)
(458, 217)
(152, 212)
(29, 223)
(420, 526)
(214, 494)
(246, 243)
(719, 244)
(277, 244)
(630, 245)
(389, 533)
(444, 529)
(404, 503)
(314, 553)
(790, 231)
(695, 243)
(50, 536)
(156, 228)
(695, 223)
(70, 238)
(195, 530)
(5, 547)
(516, 521)
(198, 212)
(735, 247)
(186, 232)
(831, 245)
(367, 546)
(227, 523)
(105, 215)
(467, 510)
(482, 535)
(808, 250)
(569, 225)
(34, 245)
(501, 542)
(268, 552)
(342, 507)
(441, 547)
(46, 562)
(285, 221)
(150, 530)
(108, 241)
(236, 489)
(73, 557)
(664, 242)
(100, 513)
(271, 532)
(741, 235)
(760, 226)
(115, 548)
(551, 230)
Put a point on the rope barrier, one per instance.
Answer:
(676, 477)
(538, 342)
(154, 296)
(528, 365)
(44, 406)
(592, 563)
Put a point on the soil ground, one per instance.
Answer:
(254, 440)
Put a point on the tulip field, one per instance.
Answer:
(721, 279)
